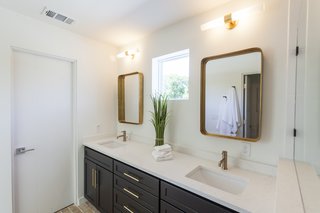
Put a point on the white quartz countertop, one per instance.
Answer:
(258, 196)
(298, 188)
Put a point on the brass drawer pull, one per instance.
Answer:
(127, 208)
(131, 193)
(92, 178)
(133, 178)
(95, 179)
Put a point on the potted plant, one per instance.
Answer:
(159, 116)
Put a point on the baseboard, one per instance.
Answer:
(81, 200)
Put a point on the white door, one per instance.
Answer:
(42, 120)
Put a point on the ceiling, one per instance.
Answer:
(118, 22)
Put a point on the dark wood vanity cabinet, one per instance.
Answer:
(168, 208)
(113, 186)
(135, 191)
(89, 187)
(98, 188)
(185, 201)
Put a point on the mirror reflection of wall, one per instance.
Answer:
(131, 83)
(232, 100)
(130, 98)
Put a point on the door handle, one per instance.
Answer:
(22, 150)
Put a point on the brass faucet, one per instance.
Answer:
(223, 163)
(124, 135)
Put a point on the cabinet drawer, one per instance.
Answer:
(125, 204)
(146, 199)
(167, 208)
(189, 202)
(100, 159)
(115, 210)
(137, 177)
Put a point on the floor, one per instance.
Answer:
(83, 208)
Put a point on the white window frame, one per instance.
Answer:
(157, 71)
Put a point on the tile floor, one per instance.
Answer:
(83, 208)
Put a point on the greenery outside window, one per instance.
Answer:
(170, 75)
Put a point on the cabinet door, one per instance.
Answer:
(189, 202)
(90, 181)
(105, 190)
(167, 208)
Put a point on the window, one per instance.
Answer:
(170, 75)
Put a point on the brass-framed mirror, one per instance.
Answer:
(231, 95)
(130, 98)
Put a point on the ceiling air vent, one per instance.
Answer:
(57, 16)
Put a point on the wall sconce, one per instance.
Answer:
(232, 19)
(229, 22)
(128, 53)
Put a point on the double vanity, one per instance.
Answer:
(123, 177)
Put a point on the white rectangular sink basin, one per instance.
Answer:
(220, 180)
(112, 144)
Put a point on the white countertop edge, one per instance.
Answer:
(287, 187)
(309, 185)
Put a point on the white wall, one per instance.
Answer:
(267, 30)
(96, 83)
(312, 88)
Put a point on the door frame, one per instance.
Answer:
(73, 112)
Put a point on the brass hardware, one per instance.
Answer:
(131, 193)
(121, 99)
(204, 62)
(95, 179)
(229, 23)
(133, 178)
(127, 208)
(92, 178)
(223, 163)
(128, 53)
(124, 136)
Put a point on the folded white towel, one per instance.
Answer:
(160, 153)
(162, 157)
(163, 148)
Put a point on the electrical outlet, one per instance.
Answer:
(246, 150)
